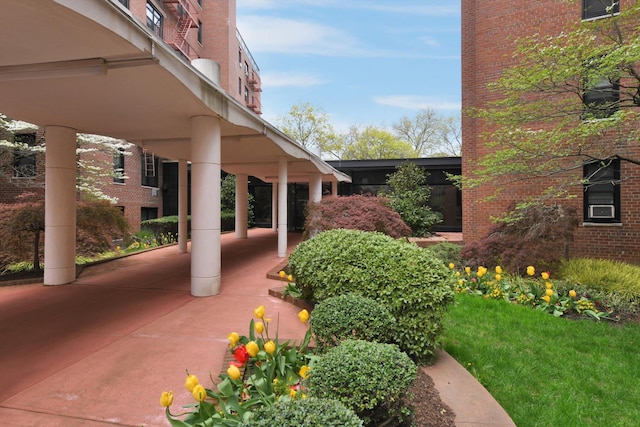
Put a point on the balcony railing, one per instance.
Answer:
(254, 64)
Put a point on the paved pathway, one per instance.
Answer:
(100, 351)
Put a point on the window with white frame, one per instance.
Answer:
(602, 191)
(598, 8)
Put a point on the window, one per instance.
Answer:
(118, 166)
(24, 160)
(154, 19)
(200, 3)
(125, 3)
(240, 85)
(240, 56)
(199, 31)
(246, 94)
(597, 8)
(149, 168)
(148, 213)
(602, 191)
(600, 98)
(246, 68)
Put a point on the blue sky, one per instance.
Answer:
(364, 62)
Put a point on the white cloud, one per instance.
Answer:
(415, 102)
(430, 41)
(290, 79)
(281, 35)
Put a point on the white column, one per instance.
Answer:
(274, 206)
(282, 208)
(334, 188)
(242, 205)
(183, 207)
(205, 206)
(315, 187)
(60, 206)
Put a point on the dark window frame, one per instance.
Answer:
(200, 32)
(118, 166)
(146, 179)
(603, 189)
(593, 9)
(155, 19)
(125, 3)
(600, 99)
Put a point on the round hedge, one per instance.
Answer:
(409, 281)
(310, 412)
(350, 316)
(369, 377)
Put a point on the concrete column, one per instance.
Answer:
(183, 208)
(242, 205)
(282, 208)
(274, 206)
(334, 188)
(205, 206)
(60, 206)
(315, 188)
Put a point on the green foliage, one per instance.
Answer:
(409, 196)
(541, 126)
(164, 226)
(350, 317)
(228, 200)
(357, 212)
(311, 412)
(409, 281)
(374, 143)
(604, 275)
(21, 225)
(370, 378)
(446, 252)
(309, 126)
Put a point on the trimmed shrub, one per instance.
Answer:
(311, 412)
(446, 252)
(370, 378)
(98, 224)
(604, 275)
(350, 316)
(409, 281)
(366, 213)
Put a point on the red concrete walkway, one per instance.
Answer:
(101, 350)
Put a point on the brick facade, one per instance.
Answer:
(489, 28)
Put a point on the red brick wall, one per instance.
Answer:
(489, 28)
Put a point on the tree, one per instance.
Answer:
(570, 99)
(409, 196)
(309, 126)
(430, 134)
(374, 143)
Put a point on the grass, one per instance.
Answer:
(544, 370)
(604, 275)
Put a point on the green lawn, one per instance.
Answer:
(548, 371)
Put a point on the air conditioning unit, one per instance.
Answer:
(154, 192)
(602, 211)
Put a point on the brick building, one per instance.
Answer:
(195, 29)
(609, 216)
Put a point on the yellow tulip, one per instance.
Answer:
(498, 277)
(467, 270)
(234, 372)
(259, 312)
(481, 271)
(549, 292)
(191, 382)
(252, 348)
(548, 285)
(452, 265)
(572, 293)
(547, 299)
(259, 327)
(166, 399)
(270, 347)
(282, 274)
(233, 338)
(290, 278)
(457, 274)
(304, 371)
(545, 275)
(531, 270)
(303, 316)
(199, 393)
(498, 269)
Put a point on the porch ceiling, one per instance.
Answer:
(101, 71)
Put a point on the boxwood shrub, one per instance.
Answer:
(369, 377)
(409, 281)
(350, 316)
(310, 412)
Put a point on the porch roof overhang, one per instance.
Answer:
(91, 66)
